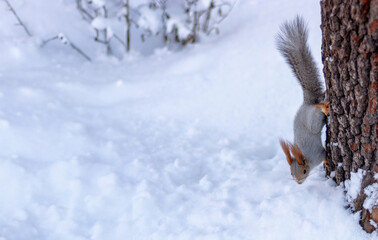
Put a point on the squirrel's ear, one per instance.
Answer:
(286, 148)
(297, 153)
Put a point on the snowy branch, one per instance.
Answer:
(90, 18)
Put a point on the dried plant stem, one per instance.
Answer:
(48, 40)
(88, 17)
(128, 25)
(18, 18)
(73, 46)
(80, 51)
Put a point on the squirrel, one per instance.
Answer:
(307, 151)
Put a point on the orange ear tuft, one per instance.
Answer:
(297, 153)
(286, 148)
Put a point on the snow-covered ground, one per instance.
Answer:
(173, 145)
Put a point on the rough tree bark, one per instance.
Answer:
(350, 59)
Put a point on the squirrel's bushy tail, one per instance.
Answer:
(292, 43)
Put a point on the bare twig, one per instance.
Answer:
(119, 40)
(101, 41)
(48, 40)
(81, 52)
(105, 31)
(89, 17)
(231, 6)
(65, 41)
(85, 13)
(18, 18)
(164, 17)
(128, 25)
(208, 16)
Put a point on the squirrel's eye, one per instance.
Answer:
(304, 171)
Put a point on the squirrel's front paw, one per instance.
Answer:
(324, 107)
(326, 164)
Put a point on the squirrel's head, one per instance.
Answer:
(298, 163)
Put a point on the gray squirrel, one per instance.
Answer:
(307, 151)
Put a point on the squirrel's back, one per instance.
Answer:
(292, 43)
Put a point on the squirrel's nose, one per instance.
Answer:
(300, 181)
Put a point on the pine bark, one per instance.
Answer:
(350, 59)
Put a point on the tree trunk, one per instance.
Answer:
(350, 59)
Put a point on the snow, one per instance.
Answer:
(175, 145)
(374, 224)
(149, 20)
(353, 185)
(175, 23)
(371, 196)
(62, 38)
(99, 23)
(203, 4)
(97, 3)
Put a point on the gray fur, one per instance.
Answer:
(292, 43)
(308, 124)
(309, 120)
